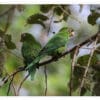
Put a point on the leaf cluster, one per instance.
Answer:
(7, 40)
(93, 17)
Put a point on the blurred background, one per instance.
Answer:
(58, 72)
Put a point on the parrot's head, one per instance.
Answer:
(63, 31)
(26, 37)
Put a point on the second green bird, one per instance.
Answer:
(54, 46)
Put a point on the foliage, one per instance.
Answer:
(65, 73)
(93, 17)
(37, 19)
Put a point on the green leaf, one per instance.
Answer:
(38, 22)
(78, 74)
(37, 16)
(10, 45)
(84, 60)
(65, 17)
(7, 37)
(37, 19)
(8, 42)
(93, 17)
(58, 11)
(45, 8)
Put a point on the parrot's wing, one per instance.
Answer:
(59, 40)
(33, 66)
(32, 72)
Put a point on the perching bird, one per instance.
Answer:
(30, 49)
(54, 46)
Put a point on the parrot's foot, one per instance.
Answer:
(56, 56)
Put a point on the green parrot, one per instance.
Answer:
(54, 46)
(30, 49)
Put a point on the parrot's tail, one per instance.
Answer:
(33, 66)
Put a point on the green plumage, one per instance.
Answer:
(54, 46)
(30, 49)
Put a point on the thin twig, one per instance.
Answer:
(45, 73)
(88, 64)
(51, 19)
(14, 89)
(69, 14)
(9, 51)
(13, 74)
(78, 65)
(17, 56)
(22, 83)
(72, 69)
(11, 81)
(9, 17)
(52, 59)
(68, 51)
(5, 80)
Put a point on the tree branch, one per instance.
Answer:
(67, 13)
(51, 19)
(9, 87)
(88, 65)
(22, 83)
(70, 50)
(72, 69)
(5, 79)
(53, 58)
(14, 90)
(45, 72)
